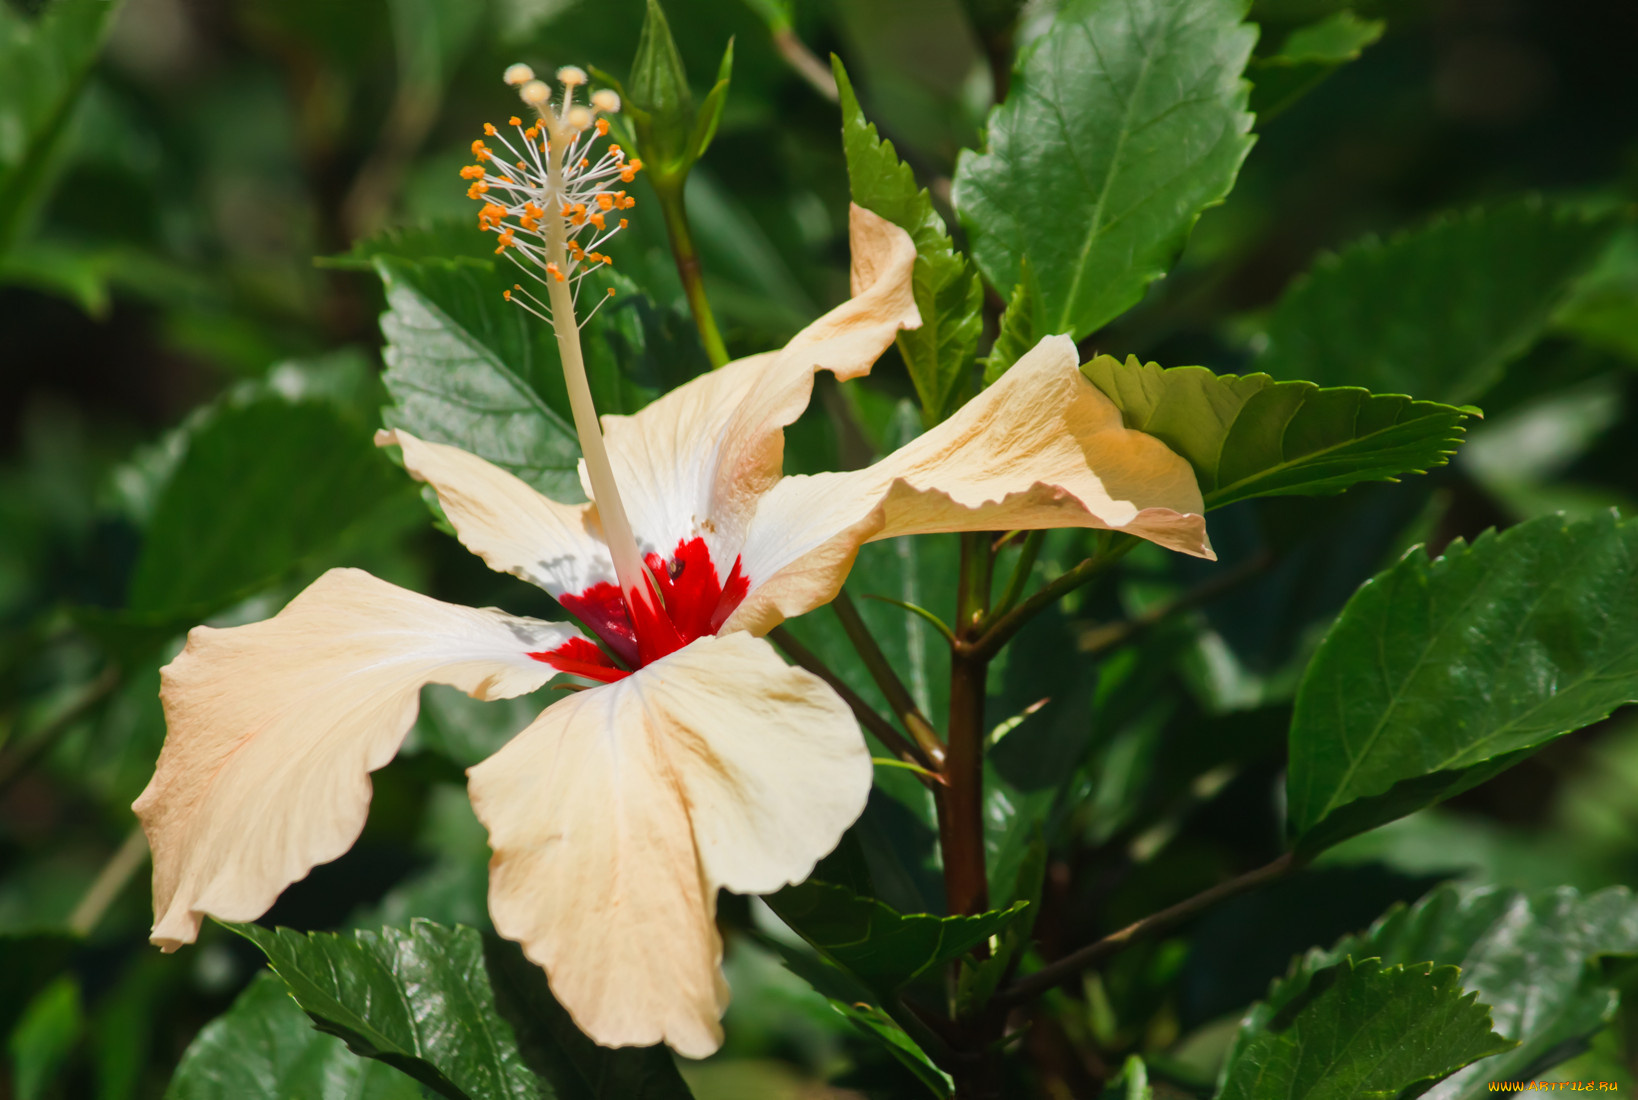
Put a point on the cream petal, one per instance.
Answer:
(618, 814)
(1042, 447)
(693, 463)
(274, 728)
(504, 521)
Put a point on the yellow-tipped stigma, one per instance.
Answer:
(535, 93)
(571, 75)
(518, 74)
(606, 100)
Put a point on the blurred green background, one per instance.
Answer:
(186, 400)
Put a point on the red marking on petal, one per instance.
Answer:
(581, 658)
(603, 611)
(693, 602)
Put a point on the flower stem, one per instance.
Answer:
(1073, 963)
(898, 696)
(999, 632)
(628, 563)
(670, 193)
(891, 738)
(961, 804)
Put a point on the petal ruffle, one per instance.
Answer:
(1042, 447)
(616, 816)
(274, 728)
(505, 521)
(693, 463)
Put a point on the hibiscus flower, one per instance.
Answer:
(698, 760)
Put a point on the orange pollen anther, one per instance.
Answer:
(602, 127)
(503, 240)
(472, 172)
(597, 220)
(605, 200)
(480, 150)
(489, 128)
(514, 121)
(476, 190)
(554, 271)
(584, 162)
(624, 223)
(507, 294)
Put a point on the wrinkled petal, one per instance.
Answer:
(505, 521)
(617, 815)
(1040, 448)
(274, 728)
(692, 464)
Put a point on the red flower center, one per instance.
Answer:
(695, 602)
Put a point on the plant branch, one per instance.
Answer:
(1027, 554)
(806, 64)
(804, 657)
(898, 696)
(35, 745)
(1067, 967)
(1109, 635)
(999, 632)
(115, 875)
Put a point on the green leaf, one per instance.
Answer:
(947, 291)
(261, 486)
(1019, 325)
(1527, 956)
(1250, 436)
(1131, 1083)
(265, 1048)
(1438, 675)
(885, 949)
(855, 1003)
(1361, 1030)
(710, 113)
(1124, 122)
(43, 66)
(467, 368)
(462, 1013)
(439, 239)
(1307, 56)
(47, 1034)
(1437, 312)
(28, 963)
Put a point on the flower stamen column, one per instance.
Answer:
(563, 124)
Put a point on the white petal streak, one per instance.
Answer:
(618, 814)
(694, 462)
(1040, 448)
(274, 728)
(504, 521)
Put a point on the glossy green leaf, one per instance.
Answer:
(1360, 1030)
(462, 1013)
(1437, 675)
(1437, 312)
(261, 486)
(1124, 122)
(441, 239)
(1527, 956)
(948, 295)
(1307, 56)
(885, 949)
(467, 368)
(265, 1048)
(44, 62)
(1019, 325)
(1250, 436)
